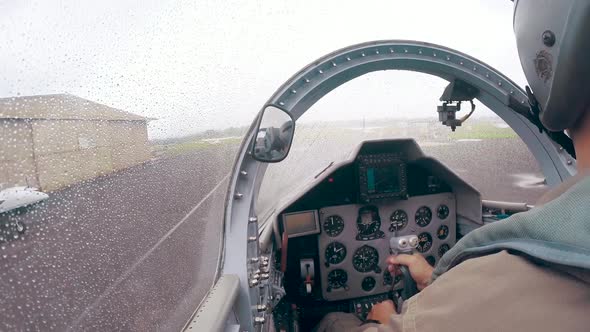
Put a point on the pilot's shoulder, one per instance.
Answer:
(500, 292)
(582, 178)
(511, 268)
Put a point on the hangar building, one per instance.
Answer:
(53, 141)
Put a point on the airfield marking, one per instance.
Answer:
(144, 257)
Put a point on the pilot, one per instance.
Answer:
(530, 272)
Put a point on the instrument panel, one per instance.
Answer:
(354, 241)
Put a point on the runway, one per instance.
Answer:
(137, 250)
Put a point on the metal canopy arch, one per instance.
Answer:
(314, 81)
(309, 85)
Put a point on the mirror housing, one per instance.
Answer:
(274, 135)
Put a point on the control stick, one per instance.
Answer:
(404, 245)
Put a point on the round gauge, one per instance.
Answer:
(443, 249)
(335, 253)
(423, 216)
(431, 260)
(442, 212)
(399, 220)
(333, 225)
(368, 221)
(443, 232)
(368, 284)
(424, 242)
(365, 259)
(337, 279)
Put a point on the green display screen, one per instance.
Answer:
(383, 180)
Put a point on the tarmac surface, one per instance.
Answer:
(133, 251)
(137, 250)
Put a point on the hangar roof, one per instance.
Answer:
(61, 107)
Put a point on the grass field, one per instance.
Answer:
(482, 130)
(192, 146)
(312, 134)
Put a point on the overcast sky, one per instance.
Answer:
(197, 65)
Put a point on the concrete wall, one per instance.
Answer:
(70, 151)
(17, 160)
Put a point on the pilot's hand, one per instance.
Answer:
(381, 311)
(419, 268)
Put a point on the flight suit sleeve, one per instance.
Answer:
(406, 321)
(498, 292)
(445, 305)
(340, 321)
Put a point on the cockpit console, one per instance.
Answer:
(339, 230)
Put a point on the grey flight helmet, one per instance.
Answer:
(553, 41)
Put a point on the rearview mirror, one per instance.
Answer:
(274, 135)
